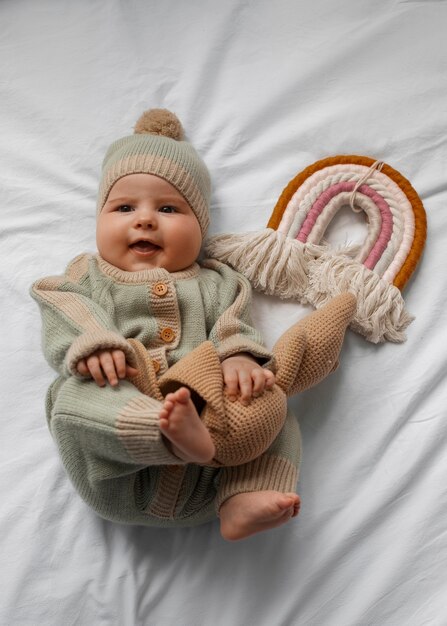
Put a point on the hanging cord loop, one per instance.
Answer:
(376, 166)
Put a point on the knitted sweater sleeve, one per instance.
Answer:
(232, 329)
(73, 325)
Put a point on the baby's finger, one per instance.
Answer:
(259, 381)
(119, 360)
(94, 368)
(108, 367)
(231, 385)
(82, 368)
(269, 378)
(245, 387)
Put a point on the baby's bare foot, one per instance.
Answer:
(245, 514)
(181, 424)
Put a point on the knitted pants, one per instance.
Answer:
(114, 453)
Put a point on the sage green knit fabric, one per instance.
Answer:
(95, 305)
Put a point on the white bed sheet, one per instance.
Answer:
(263, 89)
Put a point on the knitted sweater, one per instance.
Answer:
(95, 305)
(109, 438)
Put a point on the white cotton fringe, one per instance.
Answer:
(381, 313)
(308, 273)
(273, 262)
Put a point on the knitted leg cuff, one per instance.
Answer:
(266, 473)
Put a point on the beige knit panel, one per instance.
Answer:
(138, 430)
(168, 489)
(48, 283)
(166, 311)
(75, 271)
(245, 432)
(158, 355)
(325, 331)
(146, 379)
(200, 370)
(234, 345)
(78, 268)
(263, 474)
(70, 304)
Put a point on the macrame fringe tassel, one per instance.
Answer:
(273, 262)
(381, 313)
(278, 265)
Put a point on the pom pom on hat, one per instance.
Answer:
(159, 122)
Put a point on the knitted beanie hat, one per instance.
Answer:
(158, 147)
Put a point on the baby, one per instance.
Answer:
(174, 341)
(146, 223)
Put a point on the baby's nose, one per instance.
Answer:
(146, 220)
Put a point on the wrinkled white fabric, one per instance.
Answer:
(263, 89)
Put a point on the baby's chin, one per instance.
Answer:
(138, 263)
(141, 266)
(138, 266)
(129, 262)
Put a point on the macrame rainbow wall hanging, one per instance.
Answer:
(291, 259)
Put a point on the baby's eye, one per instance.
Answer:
(124, 208)
(167, 209)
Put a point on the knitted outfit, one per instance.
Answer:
(108, 438)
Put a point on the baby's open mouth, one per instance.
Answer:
(144, 246)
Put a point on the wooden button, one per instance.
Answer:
(167, 334)
(156, 366)
(160, 289)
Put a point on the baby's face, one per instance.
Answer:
(146, 223)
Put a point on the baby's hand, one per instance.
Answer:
(110, 364)
(244, 377)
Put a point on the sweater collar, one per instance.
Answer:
(144, 276)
